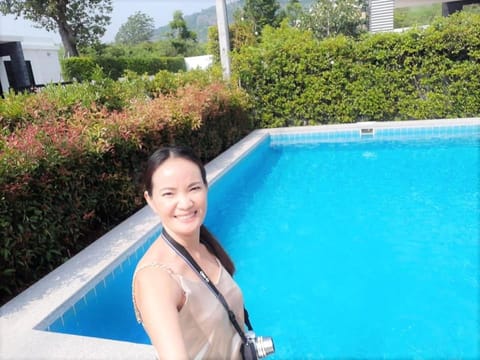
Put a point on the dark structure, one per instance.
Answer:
(454, 6)
(20, 76)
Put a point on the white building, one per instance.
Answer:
(201, 62)
(27, 62)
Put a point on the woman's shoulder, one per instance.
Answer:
(155, 280)
(155, 257)
(155, 265)
(155, 272)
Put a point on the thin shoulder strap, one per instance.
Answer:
(247, 319)
(185, 255)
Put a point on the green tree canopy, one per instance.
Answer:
(262, 13)
(138, 28)
(294, 12)
(79, 22)
(333, 17)
(180, 36)
(179, 29)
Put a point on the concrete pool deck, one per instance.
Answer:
(40, 304)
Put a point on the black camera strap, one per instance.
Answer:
(185, 255)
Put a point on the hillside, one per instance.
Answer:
(201, 21)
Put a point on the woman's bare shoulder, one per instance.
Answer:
(156, 274)
(155, 256)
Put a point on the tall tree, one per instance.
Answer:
(79, 22)
(179, 29)
(261, 13)
(294, 12)
(332, 17)
(180, 36)
(138, 28)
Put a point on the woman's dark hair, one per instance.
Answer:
(206, 238)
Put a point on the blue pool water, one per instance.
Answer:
(344, 249)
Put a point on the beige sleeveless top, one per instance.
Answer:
(207, 330)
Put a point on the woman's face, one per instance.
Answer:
(179, 196)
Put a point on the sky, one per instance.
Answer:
(160, 10)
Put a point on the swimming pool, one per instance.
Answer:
(361, 250)
(348, 323)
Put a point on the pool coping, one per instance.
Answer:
(59, 289)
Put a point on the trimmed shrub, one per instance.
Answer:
(294, 79)
(78, 68)
(66, 179)
(18, 110)
(115, 66)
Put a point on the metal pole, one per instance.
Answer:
(223, 37)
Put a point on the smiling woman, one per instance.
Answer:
(181, 316)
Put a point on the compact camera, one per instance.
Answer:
(257, 347)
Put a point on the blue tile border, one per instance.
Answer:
(373, 133)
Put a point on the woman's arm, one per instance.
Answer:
(158, 297)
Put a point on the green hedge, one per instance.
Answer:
(71, 173)
(82, 68)
(78, 68)
(419, 74)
